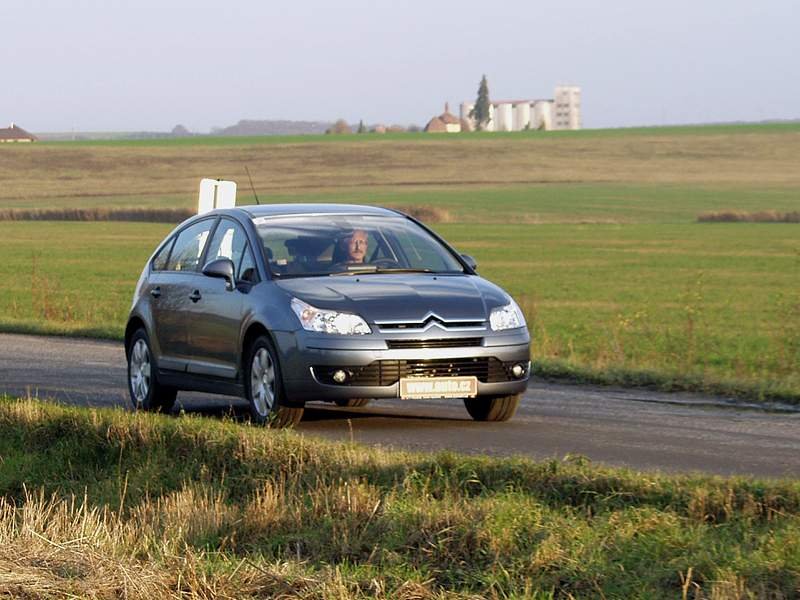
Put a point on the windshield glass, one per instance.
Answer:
(323, 245)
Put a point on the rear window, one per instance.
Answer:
(188, 247)
(160, 259)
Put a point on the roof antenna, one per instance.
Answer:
(252, 187)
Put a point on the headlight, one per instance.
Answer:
(506, 317)
(328, 321)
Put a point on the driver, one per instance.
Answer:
(355, 247)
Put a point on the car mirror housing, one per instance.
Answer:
(471, 262)
(221, 268)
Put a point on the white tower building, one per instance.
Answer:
(567, 107)
(562, 112)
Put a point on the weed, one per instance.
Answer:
(104, 503)
(762, 216)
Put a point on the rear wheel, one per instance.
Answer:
(264, 389)
(352, 402)
(500, 408)
(145, 391)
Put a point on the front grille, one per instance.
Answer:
(422, 325)
(441, 343)
(389, 372)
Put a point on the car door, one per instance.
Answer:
(170, 289)
(215, 318)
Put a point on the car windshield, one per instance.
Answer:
(330, 245)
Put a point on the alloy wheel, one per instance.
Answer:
(140, 371)
(262, 382)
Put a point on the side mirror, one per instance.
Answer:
(471, 262)
(221, 268)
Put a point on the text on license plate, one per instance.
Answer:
(438, 387)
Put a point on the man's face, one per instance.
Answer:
(357, 246)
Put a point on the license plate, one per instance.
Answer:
(415, 388)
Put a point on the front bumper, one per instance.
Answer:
(307, 362)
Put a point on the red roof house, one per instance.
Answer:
(16, 134)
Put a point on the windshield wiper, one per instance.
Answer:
(377, 270)
(405, 270)
(298, 275)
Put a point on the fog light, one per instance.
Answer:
(518, 370)
(339, 376)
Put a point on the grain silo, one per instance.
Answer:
(522, 115)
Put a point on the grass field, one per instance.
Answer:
(733, 128)
(594, 232)
(725, 158)
(703, 306)
(107, 504)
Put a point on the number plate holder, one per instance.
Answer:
(418, 388)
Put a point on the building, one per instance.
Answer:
(561, 112)
(16, 134)
(567, 107)
(444, 123)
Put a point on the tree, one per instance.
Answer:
(180, 131)
(339, 127)
(480, 112)
(361, 128)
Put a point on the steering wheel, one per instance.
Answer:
(385, 263)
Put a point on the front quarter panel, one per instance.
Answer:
(267, 306)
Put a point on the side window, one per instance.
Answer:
(160, 259)
(247, 270)
(229, 241)
(188, 247)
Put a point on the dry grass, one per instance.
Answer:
(143, 215)
(429, 214)
(761, 216)
(426, 214)
(142, 506)
(54, 548)
(131, 174)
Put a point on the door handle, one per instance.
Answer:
(195, 296)
(156, 292)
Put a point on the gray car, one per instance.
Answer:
(285, 304)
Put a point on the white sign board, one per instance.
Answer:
(216, 193)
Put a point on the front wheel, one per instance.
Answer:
(264, 390)
(500, 408)
(145, 391)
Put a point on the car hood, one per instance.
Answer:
(401, 297)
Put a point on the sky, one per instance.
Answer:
(112, 65)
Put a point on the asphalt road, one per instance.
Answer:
(638, 429)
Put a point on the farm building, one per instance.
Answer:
(446, 123)
(561, 112)
(16, 134)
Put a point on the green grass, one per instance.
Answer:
(75, 278)
(565, 203)
(578, 203)
(680, 306)
(723, 129)
(145, 506)
(594, 231)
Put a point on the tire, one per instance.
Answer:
(145, 391)
(264, 387)
(500, 408)
(352, 402)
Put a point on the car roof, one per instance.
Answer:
(281, 210)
